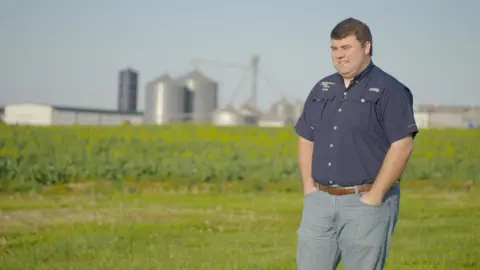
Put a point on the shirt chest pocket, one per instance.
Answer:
(360, 111)
(319, 107)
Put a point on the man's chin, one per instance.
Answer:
(344, 73)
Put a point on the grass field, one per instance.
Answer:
(197, 197)
(147, 226)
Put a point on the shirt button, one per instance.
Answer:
(362, 100)
(329, 164)
(330, 182)
(312, 127)
(340, 109)
(331, 145)
(335, 127)
(344, 93)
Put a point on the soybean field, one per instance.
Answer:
(198, 154)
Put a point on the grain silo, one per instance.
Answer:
(298, 109)
(127, 90)
(282, 108)
(202, 95)
(164, 101)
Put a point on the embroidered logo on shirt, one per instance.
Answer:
(374, 90)
(326, 85)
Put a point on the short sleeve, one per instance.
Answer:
(303, 126)
(398, 116)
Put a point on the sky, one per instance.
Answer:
(70, 52)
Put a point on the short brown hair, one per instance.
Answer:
(351, 26)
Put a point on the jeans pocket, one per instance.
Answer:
(309, 194)
(359, 196)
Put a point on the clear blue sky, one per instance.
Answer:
(70, 52)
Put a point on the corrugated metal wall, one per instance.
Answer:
(150, 113)
(127, 90)
(228, 116)
(202, 97)
(165, 101)
(28, 114)
(60, 117)
(282, 108)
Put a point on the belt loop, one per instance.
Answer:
(356, 189)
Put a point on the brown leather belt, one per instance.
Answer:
(344, 190)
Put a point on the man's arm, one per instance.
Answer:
(305, 147)
(400, 128)
(393, 166)
(305, 152)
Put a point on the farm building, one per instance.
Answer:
(165, 101)
(274, 120)
(228, 116)
(282, 108)
(42, 114)
(443, 116)
(201, 98)
(192, 97)
(127, 90)
(281, 113)
(249, 113)
(297, 109)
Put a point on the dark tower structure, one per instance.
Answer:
(127, 90)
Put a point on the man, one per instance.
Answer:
(356, 136)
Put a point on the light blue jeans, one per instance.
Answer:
(342, 227)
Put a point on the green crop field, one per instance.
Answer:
(201, 197)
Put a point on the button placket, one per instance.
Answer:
(340, 109)
(335, 128)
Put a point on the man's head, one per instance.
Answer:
(351, 45)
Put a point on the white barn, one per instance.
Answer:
(273, 120)
(42, 114)
(228, 116)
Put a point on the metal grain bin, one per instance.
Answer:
(298, 109)
(164, 101)
(127, 91)
(202, 97)
(282, 108)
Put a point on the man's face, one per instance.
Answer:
(348, 55)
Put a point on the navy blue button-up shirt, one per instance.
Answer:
(353, 127)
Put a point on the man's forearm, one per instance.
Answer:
(305, 151)
(393, 166)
